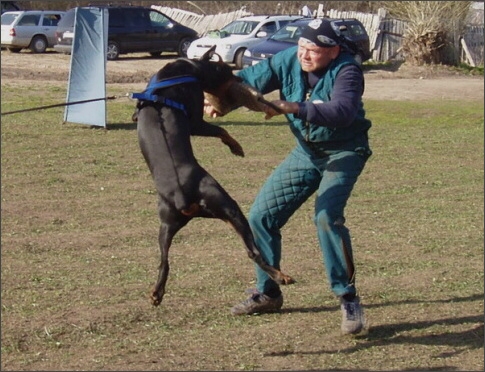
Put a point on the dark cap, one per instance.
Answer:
(320, 32)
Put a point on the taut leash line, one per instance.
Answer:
(59, 105)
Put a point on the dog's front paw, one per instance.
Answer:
(233, 145)
(237, 150)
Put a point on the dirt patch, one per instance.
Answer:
(422, 82)
(21, 67)
(398, 83)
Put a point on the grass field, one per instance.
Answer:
(80, 253)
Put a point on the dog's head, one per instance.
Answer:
(232, 93)
(215, 75)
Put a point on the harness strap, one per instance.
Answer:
(148, 95)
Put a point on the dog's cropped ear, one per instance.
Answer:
(208, 55)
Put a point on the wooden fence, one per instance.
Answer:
(472, 46)
(201, 23)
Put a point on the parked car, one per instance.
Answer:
(34, 29)
(356, 40)
(133, 29)
(233, 39)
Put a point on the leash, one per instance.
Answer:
(147, 94)
(60, 104)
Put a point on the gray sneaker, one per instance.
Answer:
(352, 316)
(258, 303)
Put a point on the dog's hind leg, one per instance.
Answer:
(165, 237)
(241, 226)
(221, 205)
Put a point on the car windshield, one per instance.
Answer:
(240, 27)
(289, 34)
(7, 19)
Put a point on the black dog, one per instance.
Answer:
(169, 111)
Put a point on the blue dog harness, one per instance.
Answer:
(153, 85)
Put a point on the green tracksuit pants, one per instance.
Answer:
(300, 175)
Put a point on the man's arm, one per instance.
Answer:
(344, 103)
(342, 108)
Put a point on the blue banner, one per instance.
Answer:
(87, 75)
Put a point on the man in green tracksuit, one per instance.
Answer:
(321, 87)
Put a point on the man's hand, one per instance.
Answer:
(210, 111)
(285, 107)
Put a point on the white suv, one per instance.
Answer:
(34, 29)
(233, 39)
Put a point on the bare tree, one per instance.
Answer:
(432, 26)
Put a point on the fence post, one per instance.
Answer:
(467, 52)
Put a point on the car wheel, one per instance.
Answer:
(113, 51)
(14, 50)
(38, 44)
(238, 58)
(183, 47)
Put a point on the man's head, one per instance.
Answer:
(318, 45)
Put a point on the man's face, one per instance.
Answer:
(313, 58)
